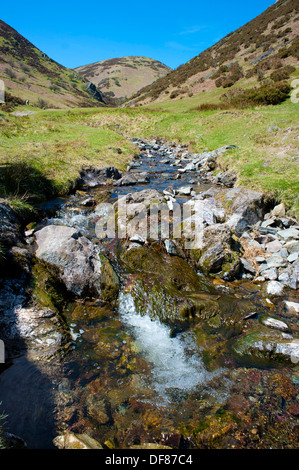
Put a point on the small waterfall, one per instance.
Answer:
(174, 371)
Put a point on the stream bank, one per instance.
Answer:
(138, 340)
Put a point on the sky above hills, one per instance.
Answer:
(78, 33)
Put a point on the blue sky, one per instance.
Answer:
(78, 33)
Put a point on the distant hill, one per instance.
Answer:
(266, 47)
(31, 75)
(122, 77)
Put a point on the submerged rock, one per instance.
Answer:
(76, 441)
(276, 324)
(267, 346)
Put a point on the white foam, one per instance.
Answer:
(173, 370)
(72, 218)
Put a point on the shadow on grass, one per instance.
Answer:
(22, 180)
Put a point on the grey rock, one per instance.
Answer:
(87, 202)
(184, 190)
(215, 249)
(274, 247)
(293, 257)
(138, 239)
(292, 246)
(10, 226)
(190, 167)
(279, 211)
(288, 234)
(227, 178)
(92, 177)
(284, 253)
(76, 257)
(276, 324)
(172, 248)
(247, 267)
(246, 208)
(293, 307)
(131, 179)
(270, 274)
(274, 346)
(276, 261)
(275, 288)
(268, 222)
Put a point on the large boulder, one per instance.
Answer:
(81, 266)
(215, 254)
(246, 207)
(92, 177)
(130, 179)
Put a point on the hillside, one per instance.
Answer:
(29, 74)
(122, 77)
(266, 47)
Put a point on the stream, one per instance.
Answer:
(131, 378)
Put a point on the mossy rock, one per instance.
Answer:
(48, 290)
(262, 347)
(172, 271)
(168, 288)
(109, 281)
(224, 264)
(199, 309)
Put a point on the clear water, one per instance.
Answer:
(175, 366)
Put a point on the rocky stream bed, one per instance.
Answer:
(141, 341)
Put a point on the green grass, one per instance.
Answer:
(56, 144)
(43, 154)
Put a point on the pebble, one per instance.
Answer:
(276, 324)
(271, 274)
(292, 306)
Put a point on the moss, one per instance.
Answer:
(109, 281)
(48, 290)
(199, 309)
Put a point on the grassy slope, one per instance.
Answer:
(58, 143)
(276, 29)
(43, 153)
(123, 76)
(29, 74)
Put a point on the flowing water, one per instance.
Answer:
(176, 367)
(128, 377)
